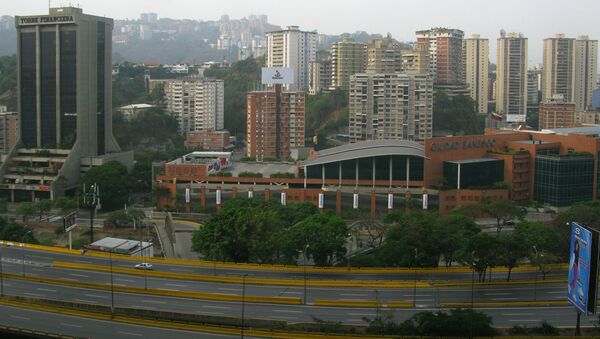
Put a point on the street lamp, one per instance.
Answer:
(23, 252)
(243, 301)
(112, 288)
(304, 262)
(415, 286)
(536, 274)
(142, 252)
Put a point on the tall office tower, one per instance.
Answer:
(275, 123)
(533, 99)
(384, 56)
(347, 58)
(416, 61)
(196, 103)
(320, 76)
(445, 54)
(390, 106)
(476, 60)
(586, 72)
(295, 49)
(557, 74)
(64, 100)
(511, 75)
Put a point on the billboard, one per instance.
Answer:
(583, 268)
(70, 221)
(277, 75)
(515, 117)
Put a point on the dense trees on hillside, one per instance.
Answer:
(456, 115)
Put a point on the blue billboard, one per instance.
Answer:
(583, 266)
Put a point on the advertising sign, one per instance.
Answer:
(355, 201)
(583, 268)
(218, 197)
(277, 75)
(187, 195)
(515, 117)
(321, 198)
(390, 201)
(425, 201)
(250, 194)
(70, 221)
(283, 198)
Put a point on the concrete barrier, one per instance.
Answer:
(362, 303)
(505, 304)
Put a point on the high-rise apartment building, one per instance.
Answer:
(445, 54)
(274, 123)
(586, 71)
(416, 61)
(384, 56)
(64, 102)
(556, 113)
(320, 76)
(196, 103)
(511, 77)
(390, 106)
(476, 50)
(295, 49)
(347, 58)
(9, 123)
(558, 69)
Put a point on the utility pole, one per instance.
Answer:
(91, 199)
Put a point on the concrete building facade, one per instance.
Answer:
(556, 114)
(196, 103)
(511, 77)
(384, 56)
(586, 71)
(295, 49)
(476, 50)
(394, 106)
(9, 129)
(445, 54)
(320, 76)
(558, 70)
(347, 58)
(416, 61)
(274, 124)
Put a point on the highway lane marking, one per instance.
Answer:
(179, 270)
(285, 317)
(33, 294)
(217, 307)
(130, 333)
(518, 314)
(71, 325)
(500, 299)
(126, 280)
(287, 311)
(354, 294)
(45, 289)
(363, 314)
(176, 285)
(229, 289)
(419, 295)
(86, 301)
(79, 275)
(499, 293)
(19, 317)
(153, 301)
(96, 296)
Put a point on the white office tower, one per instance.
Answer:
(295, 49)
(511, 77)
(476, 58)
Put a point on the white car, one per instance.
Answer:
(144, 266)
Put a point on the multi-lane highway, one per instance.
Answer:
(39, 264)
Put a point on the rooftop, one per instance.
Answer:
(118, 245)
(474, 160)
(585, 130)
(266, 168)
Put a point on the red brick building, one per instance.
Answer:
(208, 139)
(556, 115)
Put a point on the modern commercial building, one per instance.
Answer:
(556, 113)
(64, 103)
(208, 139)
(294, 49)
(558, 70)
(274, 124)
(384, 55)
(9, 128)
(416, 61)
(394, 106)
(196, 103)
(476, 50)
(347, 58)
(320, 76)
(445, 54)
(511, 77)
(586, 71)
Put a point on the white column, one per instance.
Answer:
(373, 162)
(458, 179)
(390, 171)
(407, 171)
(339, 174)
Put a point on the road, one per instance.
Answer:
(426, 298)
(89, 328)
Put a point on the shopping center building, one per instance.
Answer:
(554, 167)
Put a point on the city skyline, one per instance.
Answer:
(536, 19)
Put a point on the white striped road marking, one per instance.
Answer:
(45, 289)
(287, 311)
(129, 333)
(153, 301)
(217, 307)
(96, 296)
(19, 317)
(70, 325)
(79, 275)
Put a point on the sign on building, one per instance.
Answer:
(277, 75)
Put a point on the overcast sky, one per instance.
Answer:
(536, 19)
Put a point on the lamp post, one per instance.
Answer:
(304, 262)
(243, 301)
(112, 288)
(536, 274)
(142, 252)
(415, 285)
(92, 200)
(23, 252)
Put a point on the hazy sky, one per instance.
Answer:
(536, 19)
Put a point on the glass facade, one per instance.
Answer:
(101, 49)
(48, 88)
(365, 169)
(28, 89)
(68, 87)
(474, 174)
(563, 180)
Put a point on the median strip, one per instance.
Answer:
(505, 304)
(248, 280)
(362, 303)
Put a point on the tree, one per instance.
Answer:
(586, 213)
(480, 253)
(541, 242)
(452, 232)
(512, 250)
(126, 218)
(325, 235)
(501, 210)
(43, 207)
(26, 209)
(12, 231)
(65, 204)
(114, 183)
(457, 115)
(3, 205)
